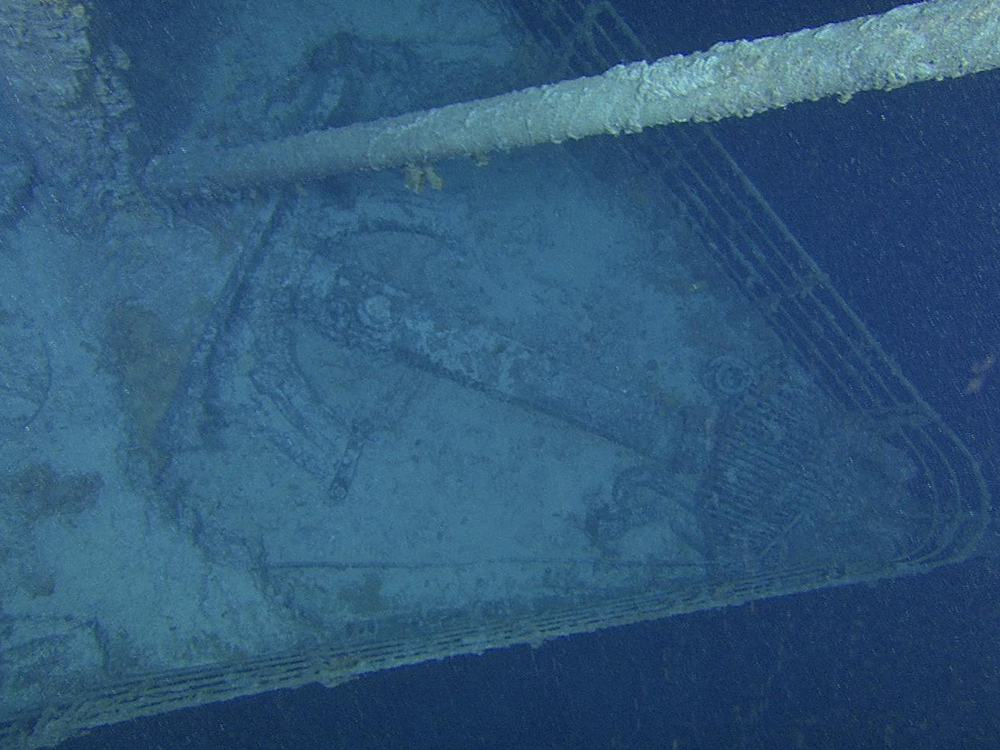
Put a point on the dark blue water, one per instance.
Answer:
(906, 664)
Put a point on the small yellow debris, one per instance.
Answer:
(416, 176)
(432, 178)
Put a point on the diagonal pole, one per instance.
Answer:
(925, 41)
